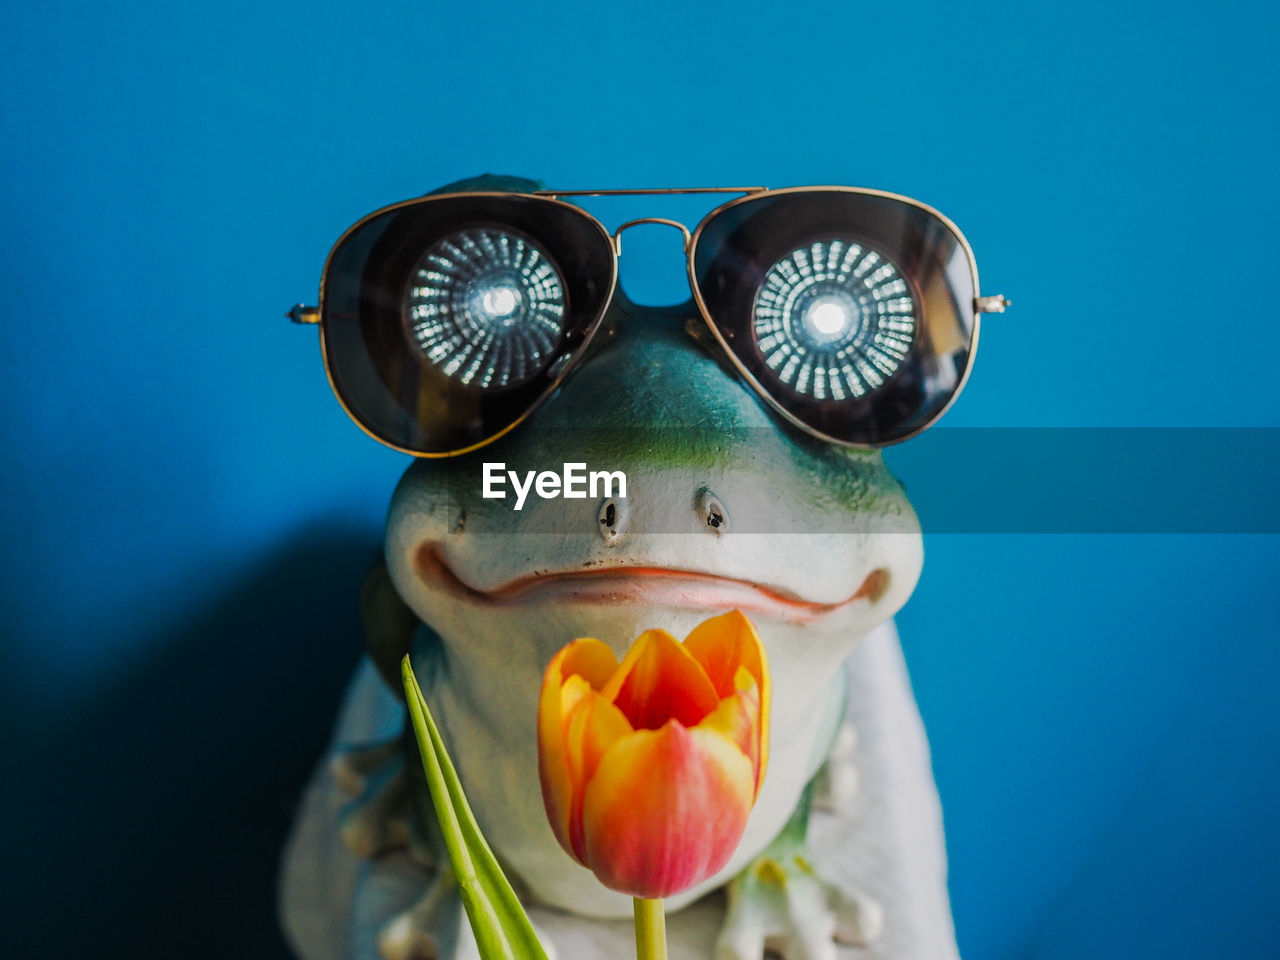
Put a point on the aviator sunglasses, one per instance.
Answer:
(447, 319)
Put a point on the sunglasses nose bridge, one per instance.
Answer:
(684, 231)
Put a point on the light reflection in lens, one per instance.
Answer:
(827, 317)
(834, 319)
(485, 306)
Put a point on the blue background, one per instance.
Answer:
(186, 512)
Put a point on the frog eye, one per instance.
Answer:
(485, 306)
(833, 319)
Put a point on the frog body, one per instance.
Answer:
(499, 602)
(726, 507)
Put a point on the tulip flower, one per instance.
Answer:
(650, 767)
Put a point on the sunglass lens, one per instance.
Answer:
(445, 321)
(852, 312)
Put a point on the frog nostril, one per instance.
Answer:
(612, 518)
(712, 511)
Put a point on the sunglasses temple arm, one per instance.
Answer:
(301, 313)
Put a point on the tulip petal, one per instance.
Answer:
(590, 663)
(737, 719)
(659, 681)
(585, 657)
(722, 645)
(591, 727)
(666, 809)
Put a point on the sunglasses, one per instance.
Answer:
(447, 319)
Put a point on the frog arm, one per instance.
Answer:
(870, 869)
(783, 904)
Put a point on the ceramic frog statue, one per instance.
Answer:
(727, 505)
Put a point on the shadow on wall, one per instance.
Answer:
(149, 822)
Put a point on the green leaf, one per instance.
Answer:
(501, 927)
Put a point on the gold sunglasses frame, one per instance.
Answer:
(981, 304)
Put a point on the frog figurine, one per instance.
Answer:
(726, 505)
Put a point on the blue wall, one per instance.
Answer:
(186, 512)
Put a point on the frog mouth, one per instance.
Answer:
(667, 586)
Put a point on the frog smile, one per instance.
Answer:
(667, 586)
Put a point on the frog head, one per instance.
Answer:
(726, 506)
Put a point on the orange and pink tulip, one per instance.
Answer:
(650, 767)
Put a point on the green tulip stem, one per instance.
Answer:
(651, 930)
